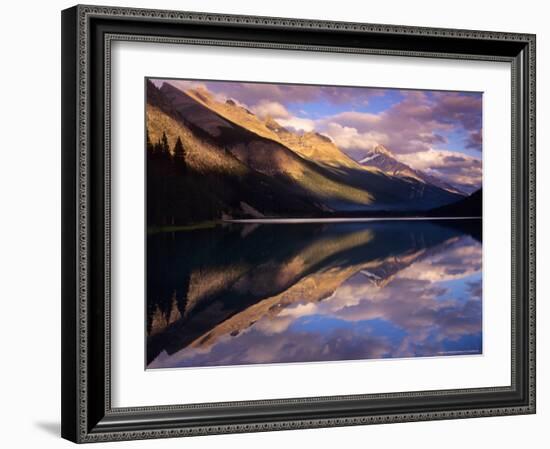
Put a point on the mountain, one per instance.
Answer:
(313, 146)
(262, 154)
(309, 145)
(212, 182)
(471, 206)
(383, 159)
(239, 165)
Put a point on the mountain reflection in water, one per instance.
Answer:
(274, 293)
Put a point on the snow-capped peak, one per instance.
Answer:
(381, 149)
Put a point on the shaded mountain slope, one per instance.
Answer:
(471, 206)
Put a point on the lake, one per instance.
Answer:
(251, 293)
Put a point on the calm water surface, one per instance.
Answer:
(276, 293)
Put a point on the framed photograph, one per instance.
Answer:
(275, 224)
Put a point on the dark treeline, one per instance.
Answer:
(179, 195)
(176, 194)
(161, 149)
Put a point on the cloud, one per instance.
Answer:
(353, 119)
(457, 262)
(273, 109)
(419, 121)
(254, 93)
(348, 138)
(200, 86)
(457, 168)
(475, 289)
(452, 107)
(474, 141)
(297, 124)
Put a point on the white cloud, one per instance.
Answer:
(360, 120)
(456, 167)
(271, 108)
(347, 137)
(297, 124)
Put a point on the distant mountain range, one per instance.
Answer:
(382, 158)
(243, 166)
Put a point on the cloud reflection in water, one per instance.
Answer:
(425, 301)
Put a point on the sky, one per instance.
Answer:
(439, 132)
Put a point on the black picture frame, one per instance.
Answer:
(87, 33)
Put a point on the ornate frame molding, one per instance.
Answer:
(80, 411)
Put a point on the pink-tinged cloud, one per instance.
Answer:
(349, 138)
(453, 107)
(417, 123)
(252, 94)
(457, 168)
(475, 139)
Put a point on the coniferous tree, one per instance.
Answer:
(164, 145)
(179, 150)
(157, 149)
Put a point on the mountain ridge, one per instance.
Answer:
(278, 164)
(261, 153)
(303, 145)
